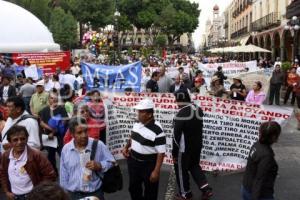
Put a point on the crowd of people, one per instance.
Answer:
(58, 109)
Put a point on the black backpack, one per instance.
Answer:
(112, 181)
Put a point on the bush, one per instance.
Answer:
(285, 66)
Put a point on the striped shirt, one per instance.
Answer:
(147, 141)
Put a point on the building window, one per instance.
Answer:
(124, 41)
(139, 40)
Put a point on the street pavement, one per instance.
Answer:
(227, 186)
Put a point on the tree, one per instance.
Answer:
(64, 28)
(160, 41)
(179, 17)
(98, 13)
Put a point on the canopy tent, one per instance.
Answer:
(240, 49)
(22, 32)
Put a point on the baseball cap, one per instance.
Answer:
(40, 83)
(144, 104)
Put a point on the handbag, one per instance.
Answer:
(112, 180)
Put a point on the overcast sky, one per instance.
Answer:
(206, 7)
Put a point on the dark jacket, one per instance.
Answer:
(261, 171)
(221, 76)
(172, 88)
(277, 78)
(188, 123)
(38, 168)
(11, 92)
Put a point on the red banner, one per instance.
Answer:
(48, 61)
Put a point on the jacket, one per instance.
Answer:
(261, 171)
(38, 168)
(277, 78)
(221, 76)
(11, 92)
(188, 125)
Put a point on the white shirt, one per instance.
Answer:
(69, 79)
(56, 85)
(298, 71)
(30, 124)
(75, 70)
(79, 79)
(18, 177)
(5, 93)
(49, 85)
(145, 80)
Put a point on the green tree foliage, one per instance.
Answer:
(179, 17)
(98, 12)
(64, 28)
(161, 40)
(142, 13)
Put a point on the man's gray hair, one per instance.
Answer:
(75, 121)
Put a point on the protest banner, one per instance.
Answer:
(49, 61)
(40, 73)
(249, 78)
(171, 72)
(229, 69)
(112, 78)
(230, 127)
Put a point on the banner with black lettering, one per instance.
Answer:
(112, 78)
(230, 127)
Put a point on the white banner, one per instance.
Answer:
(229, 69)
(230, 127)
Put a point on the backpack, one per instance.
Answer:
(112, 181)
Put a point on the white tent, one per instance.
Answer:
(240, 49)
(22, 32)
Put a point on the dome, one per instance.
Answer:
(216, 7)
(22, 32)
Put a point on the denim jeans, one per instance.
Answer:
(247, 195)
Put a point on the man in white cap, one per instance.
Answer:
(39, 99)
(145, 152)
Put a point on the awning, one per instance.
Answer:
(242, 40)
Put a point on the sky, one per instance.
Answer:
(206, 7)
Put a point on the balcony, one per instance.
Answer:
(293, 9)
(269, 21)
(240, 32)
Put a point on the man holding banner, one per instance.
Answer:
(187, 145)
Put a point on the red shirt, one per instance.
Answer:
(93, 130)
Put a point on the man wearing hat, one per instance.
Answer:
(238, 89)
(145, 152)
(39, 99)
(187, 146)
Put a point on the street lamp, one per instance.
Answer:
(293, 25)
(116, 34)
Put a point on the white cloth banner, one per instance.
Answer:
(229, 69)
(230, 127)
(32, 72)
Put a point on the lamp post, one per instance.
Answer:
(116, 34)
(223, 41)
(293, 25)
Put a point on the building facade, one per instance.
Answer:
(268, 29)
(262, 23)
(214, 30)
(241, 18)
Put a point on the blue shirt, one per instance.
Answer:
(71, 171)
